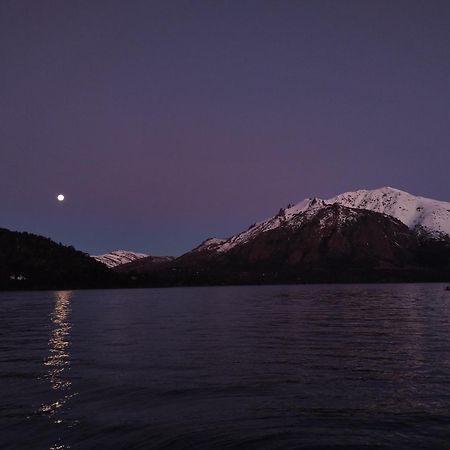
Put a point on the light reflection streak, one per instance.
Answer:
(58, 362)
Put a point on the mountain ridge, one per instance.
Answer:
(421, 214)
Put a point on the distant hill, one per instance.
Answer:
(118, 257)
(29, 261)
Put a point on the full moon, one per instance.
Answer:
(60, 197)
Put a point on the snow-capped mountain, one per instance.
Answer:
(418, 213)
(118, 257)
(311, 242)
(378, 235)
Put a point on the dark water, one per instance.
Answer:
(339, 367)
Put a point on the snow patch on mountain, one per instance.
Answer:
(118, 257)
(418, 213)
(209, 245)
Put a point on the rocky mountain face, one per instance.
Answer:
(333, 236)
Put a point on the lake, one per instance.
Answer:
(277, 367)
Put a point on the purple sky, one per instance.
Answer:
(167, 122)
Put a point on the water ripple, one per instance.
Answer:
(314, 367)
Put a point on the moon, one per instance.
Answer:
(60, 197)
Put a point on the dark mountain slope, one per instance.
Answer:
(29, 261)
(145, 265)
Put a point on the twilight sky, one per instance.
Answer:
(167, 122)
